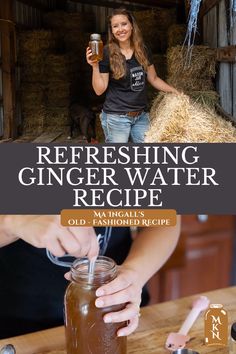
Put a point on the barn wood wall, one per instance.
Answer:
(217, 33)
(28, 14)
(7, 65)
(14, 14)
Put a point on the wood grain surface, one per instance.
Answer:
(156, 322)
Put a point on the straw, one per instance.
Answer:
(178, 119)
(91, 268)
(92, 262)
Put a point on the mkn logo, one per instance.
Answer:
(216, 325)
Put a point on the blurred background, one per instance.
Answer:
(204, 259)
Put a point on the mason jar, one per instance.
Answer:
(96, 46)
(86, 332)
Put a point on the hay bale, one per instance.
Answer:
(188, 84)
(205, 98)
(57, 117)
(33, 49)
(32, 95)
(154, 25)
(37, 42)
(58, 94)
(196, 77)
(59, 67)
(33, 70)
(158, 18)
(41, 118)
(33, 120)
(203, 62)
(176, 35)
(32, 107)
(176, 119)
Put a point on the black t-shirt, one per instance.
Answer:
(127, 94)
(32, 287)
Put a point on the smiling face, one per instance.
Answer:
(121, 28)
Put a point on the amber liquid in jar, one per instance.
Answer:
(96, 46)
(86, 332)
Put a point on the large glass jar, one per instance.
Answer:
(86, 332)
(96, 46)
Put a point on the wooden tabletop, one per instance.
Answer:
(156, 322)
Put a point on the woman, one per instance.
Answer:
(123, 72)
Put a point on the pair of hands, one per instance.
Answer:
(45, 231)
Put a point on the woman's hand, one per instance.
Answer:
(46, 231)
(88, 58)
(125, 289)
(176, 92)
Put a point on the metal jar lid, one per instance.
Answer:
(8, 349)
(95, 37)
(184, 351)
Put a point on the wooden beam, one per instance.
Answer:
(226, 54)
(207, 6)
(7, 30)
(133, 3)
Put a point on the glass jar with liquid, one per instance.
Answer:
(96, 46)
(86, 332)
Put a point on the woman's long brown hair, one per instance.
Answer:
(117, 61)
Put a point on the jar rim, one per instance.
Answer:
(103, 265)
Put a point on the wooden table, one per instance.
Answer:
(155, 323)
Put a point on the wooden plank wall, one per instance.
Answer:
(216, 35)
(7, 30)
(233, 42)
(29, 13)
(27, 16)
(14, 13)
(224, 80)
(101, 13)
(210, 22)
